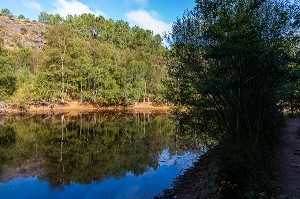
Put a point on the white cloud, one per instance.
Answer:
(32, 5)
(147, 20)
(64, 7)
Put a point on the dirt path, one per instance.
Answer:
(289, 159)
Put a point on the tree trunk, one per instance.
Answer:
(80, 92)
(62, 58)
(145, 91)
(95, 93)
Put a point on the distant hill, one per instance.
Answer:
(19, 32)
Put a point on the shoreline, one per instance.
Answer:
(77, 107)
(195, 182)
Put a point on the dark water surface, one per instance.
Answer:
(99, 155)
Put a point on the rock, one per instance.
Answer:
(19, 33)
(2, 105)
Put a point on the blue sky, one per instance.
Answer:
(156, 15)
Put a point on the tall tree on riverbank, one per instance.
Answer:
(226, 60)
(59, 40)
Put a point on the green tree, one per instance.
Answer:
(21, 17)
(7, 13)
(22, 67)
(89, 58)
(7, 77)
(44, 17)
(226, 58)
(55, 19)
(81, 66)
(56, 66)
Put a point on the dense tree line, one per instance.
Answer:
(86, 58)
(232, 63)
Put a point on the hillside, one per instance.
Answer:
(19, 32)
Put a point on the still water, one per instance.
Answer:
(98, 155)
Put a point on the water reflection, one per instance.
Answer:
(116, 154)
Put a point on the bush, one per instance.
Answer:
(23, 31)
(21, 17)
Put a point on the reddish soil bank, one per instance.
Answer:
(74, 106)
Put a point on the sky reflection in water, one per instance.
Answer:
(164, 162)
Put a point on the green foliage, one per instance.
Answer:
(44, 17)
(21, 17)
(24, 81)
(7, 83)
(226, 63)
(7, 77)
(88, 58)
(21, 65)
(7, 13)
(55, 19)
(289, 92)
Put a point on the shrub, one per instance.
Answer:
(23, 31)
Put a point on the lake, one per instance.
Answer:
(112, 154)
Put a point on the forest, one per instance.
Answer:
(85, 58)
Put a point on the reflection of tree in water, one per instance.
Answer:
(14, 148)
(17, 147)
(94, 147)
(7, 142)
(199, 124)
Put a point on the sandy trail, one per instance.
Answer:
(289, 159)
